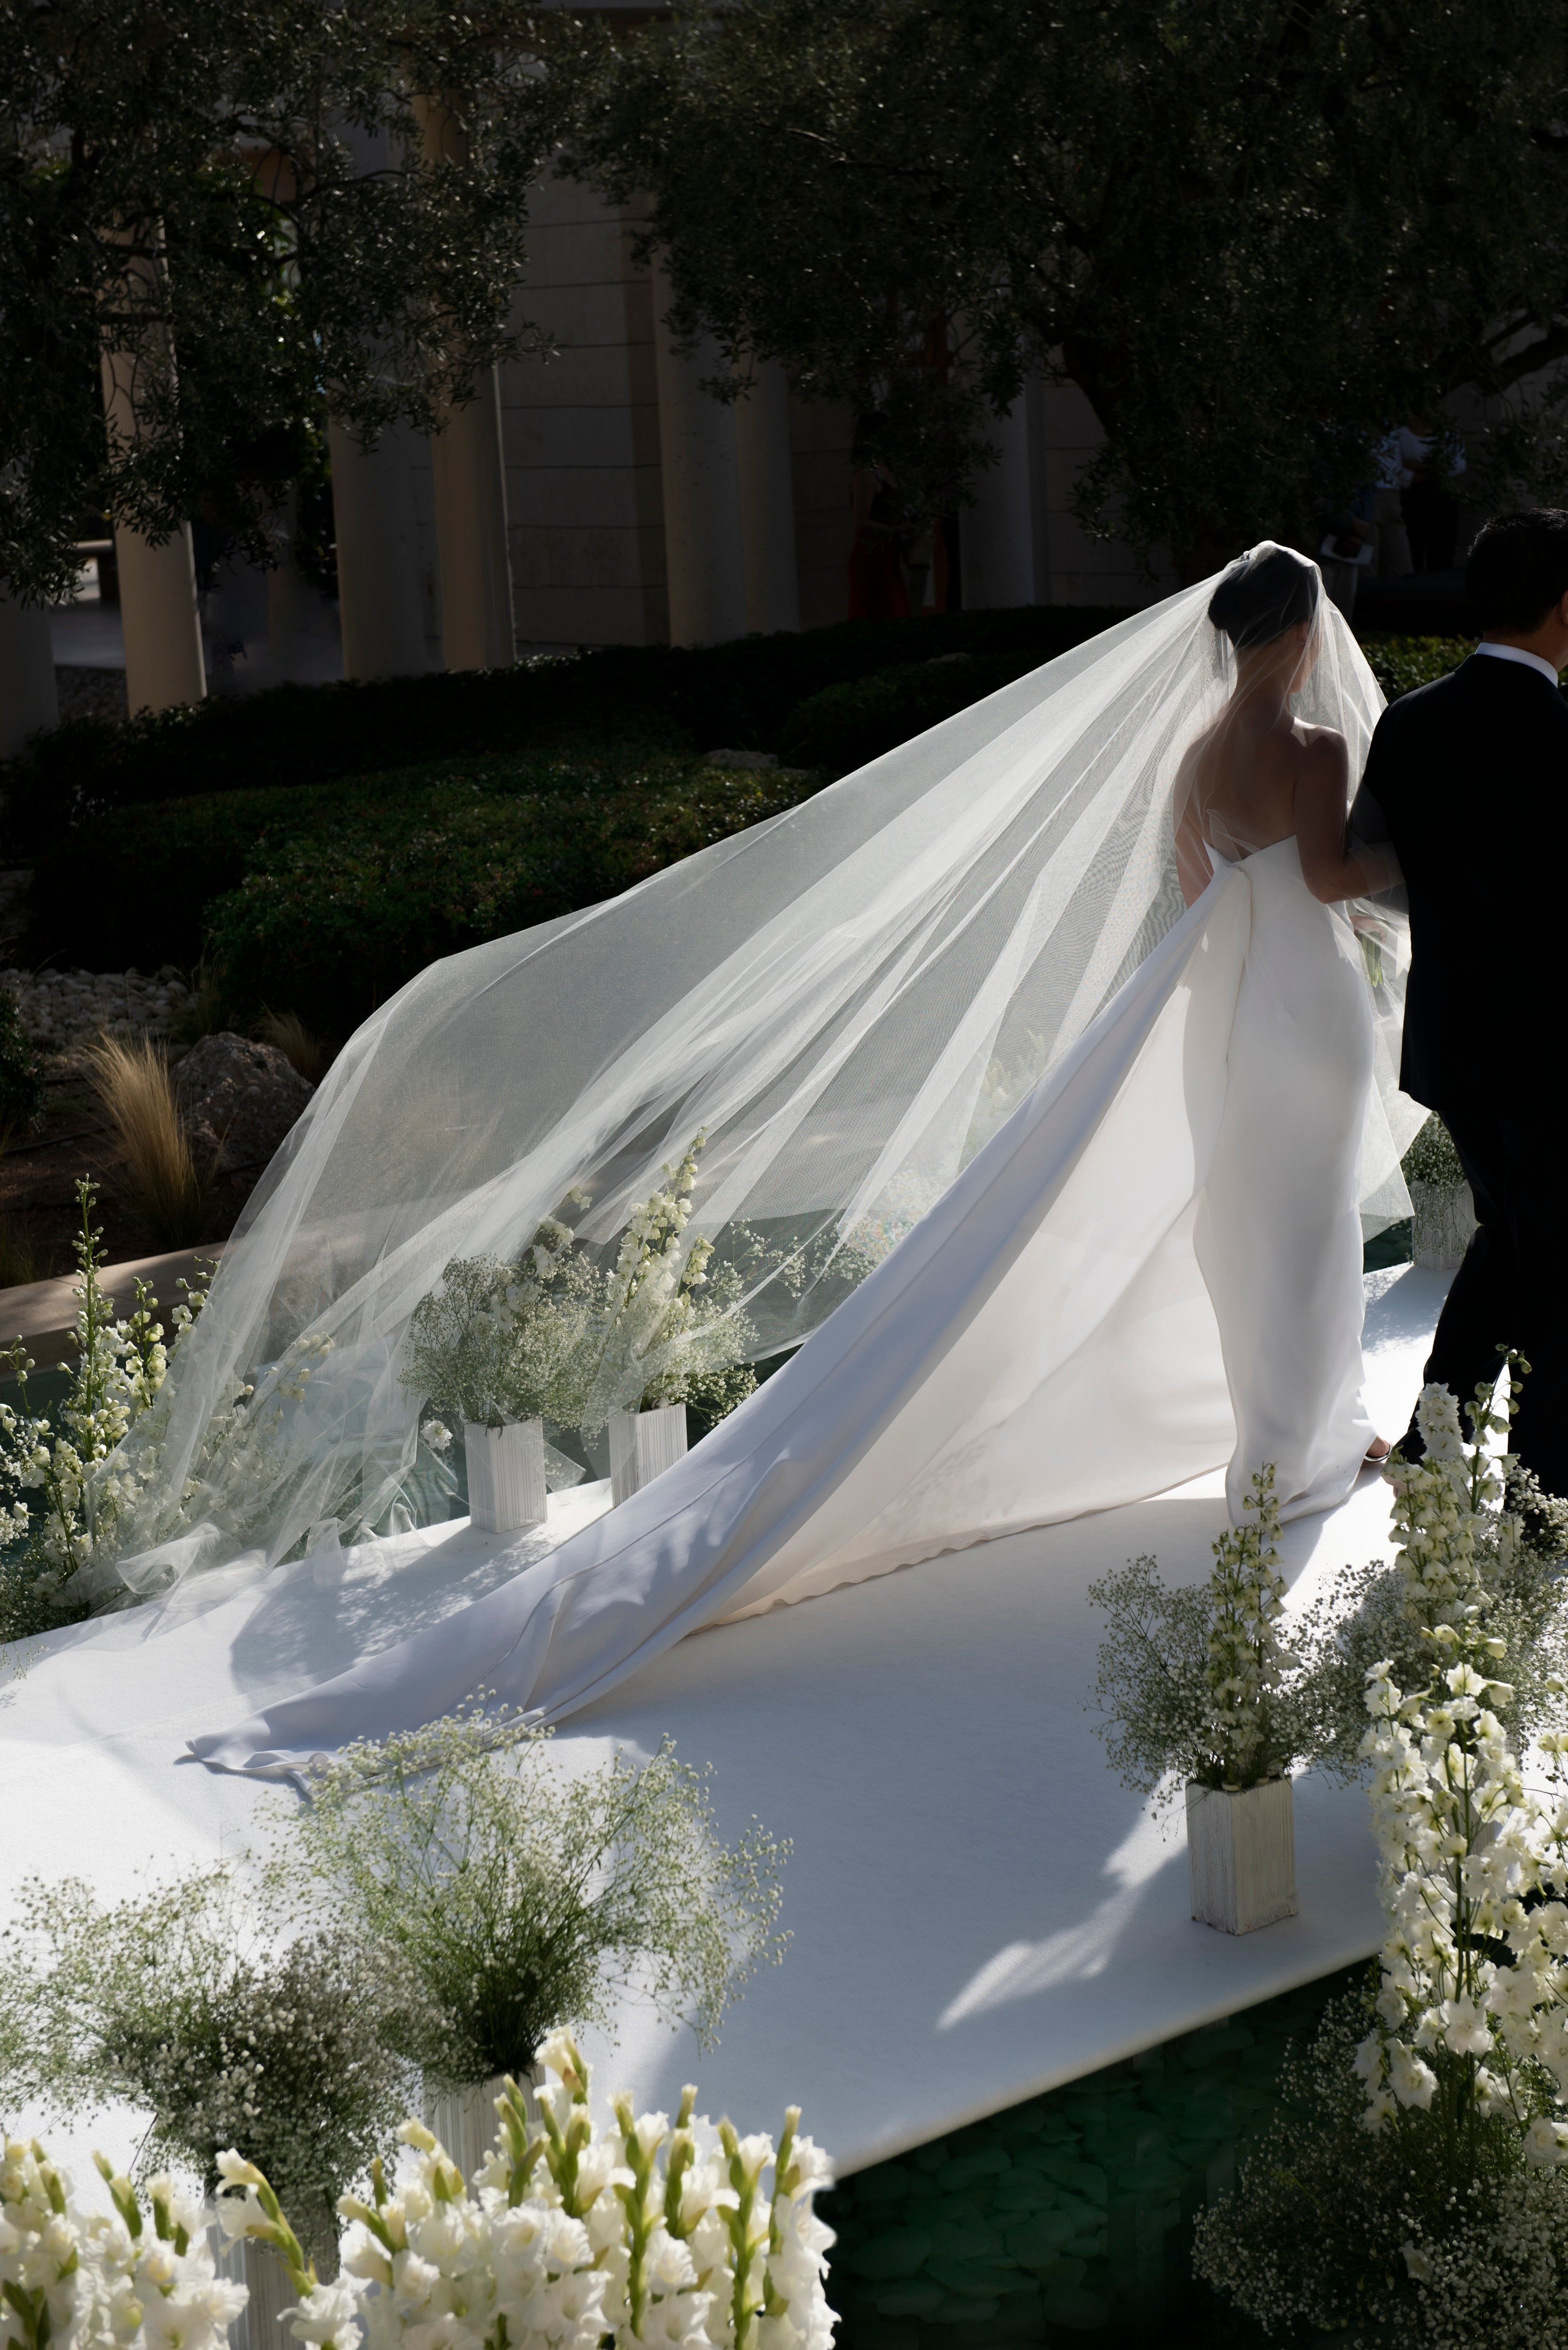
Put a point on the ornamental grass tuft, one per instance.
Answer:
(132, 1082)
(300, 1047)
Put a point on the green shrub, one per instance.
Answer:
(329, 922)
(95, 894)
(21, 1079)
(153, 870)
(621, 701)
(1402, 663)
(843, 726)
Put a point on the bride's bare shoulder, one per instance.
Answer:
(1192, 757)
(1321, 749)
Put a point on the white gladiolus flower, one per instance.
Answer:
(128, 2280)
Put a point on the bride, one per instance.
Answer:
(1057, 1183)
(1279, 1233)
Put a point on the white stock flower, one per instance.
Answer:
(1412, 2080)
(1465, 2028)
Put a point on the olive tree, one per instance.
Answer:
(256, 212)
(1253, 232)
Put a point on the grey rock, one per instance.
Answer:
(238, 1099)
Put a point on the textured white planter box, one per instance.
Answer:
(643, 1445)
(1241, 1855)
(506, 1474)
(260, 2325)
(1445, 1219)
(465, 2120)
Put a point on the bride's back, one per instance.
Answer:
(1240, 781)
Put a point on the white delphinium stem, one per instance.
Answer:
(1246, 1662)
(72, 1459)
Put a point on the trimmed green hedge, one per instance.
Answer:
(331, 919)
(621, 701)
(383, 871)
(845, 725)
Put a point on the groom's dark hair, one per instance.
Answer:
(1518, 570)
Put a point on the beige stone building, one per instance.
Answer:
(599, 497)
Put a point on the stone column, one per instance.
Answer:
(470, 481)
(704, 568)
(996, 535)
(378, 589)
(163, 663)
(468, 475)
(28, 699)
(767, 503)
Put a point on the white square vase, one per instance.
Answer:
(1443, 1223)
(1241, 1855)
(506, 1474)
(261, 2324)
(466, 2122)
(643, 1445)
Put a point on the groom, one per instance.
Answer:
(1468, 779)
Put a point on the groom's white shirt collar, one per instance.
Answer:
(1518, 653)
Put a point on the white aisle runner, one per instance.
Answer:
(979, 1911)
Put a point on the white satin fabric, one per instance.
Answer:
(1043, 1343)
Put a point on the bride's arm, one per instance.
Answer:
(1329, 869)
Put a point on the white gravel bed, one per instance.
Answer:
(62, 1010)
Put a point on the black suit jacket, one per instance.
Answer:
(1469, 779)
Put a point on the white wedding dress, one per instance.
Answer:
(1278, 1235)
(1152, 1268)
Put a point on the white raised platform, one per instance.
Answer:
(979, 1911)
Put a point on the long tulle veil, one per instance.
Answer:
(847, 998)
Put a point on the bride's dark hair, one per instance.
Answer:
(1263, 593)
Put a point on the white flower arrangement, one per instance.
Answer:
(68, 1457)
(500, 1904)
(568, 2238)
(1473, 2025)
(71, 2279)
(193, 2002)
(552, 1336)
(498, 1341)
(1198, 1684)
(655, 1340)
(1415, 2188)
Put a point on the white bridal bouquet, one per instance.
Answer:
(645, 2233)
